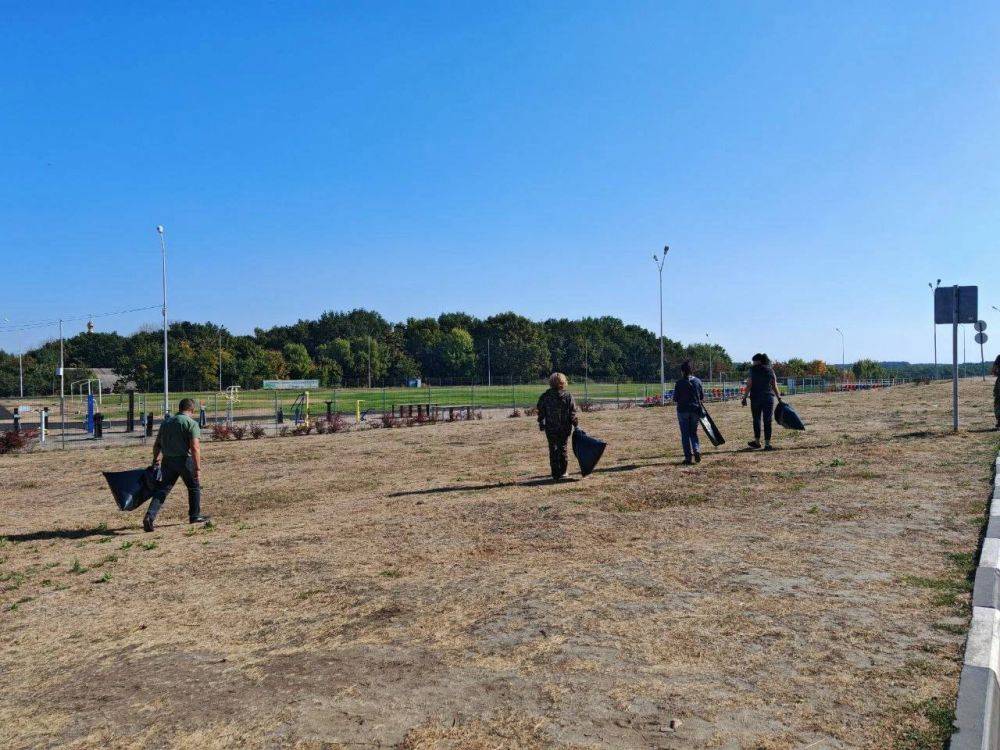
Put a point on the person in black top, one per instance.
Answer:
(557, 418)
(688, 395)
(762, 389)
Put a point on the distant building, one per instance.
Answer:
(107, 376)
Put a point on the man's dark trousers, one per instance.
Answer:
(557, 452)
(171, 469)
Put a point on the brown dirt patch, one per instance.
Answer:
(427, 587)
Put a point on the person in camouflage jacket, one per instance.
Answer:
(557, 418)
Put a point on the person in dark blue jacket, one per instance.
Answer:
(688, 395)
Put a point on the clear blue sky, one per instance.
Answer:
(811, 164)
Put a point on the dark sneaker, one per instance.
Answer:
(147, 523)
(200, 519)
(687, 462)
(697, 458)
(754, 444)
(768, 447)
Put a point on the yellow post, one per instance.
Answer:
(357, 412)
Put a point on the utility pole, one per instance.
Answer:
(166, 368)
(659, 265)
(489, 365)
(369, 362)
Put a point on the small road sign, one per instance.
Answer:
(980, 325)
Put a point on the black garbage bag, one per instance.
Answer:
(787, 418)
(711, 431)
(132, 488)
(588, 450)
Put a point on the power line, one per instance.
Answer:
(31, 324)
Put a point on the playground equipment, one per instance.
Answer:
(232, 396)
(300, 409)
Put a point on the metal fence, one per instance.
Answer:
(276, 411)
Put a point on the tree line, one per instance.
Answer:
(360, 346)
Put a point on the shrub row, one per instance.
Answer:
(15, 442)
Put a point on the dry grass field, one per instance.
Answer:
(428, 588)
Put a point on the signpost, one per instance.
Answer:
(981, 338)
(291, 385)
(954, 305)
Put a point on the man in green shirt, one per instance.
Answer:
(179, 440)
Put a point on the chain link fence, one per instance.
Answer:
(115, 418)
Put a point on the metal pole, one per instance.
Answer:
(937, 370)
(62, 386)
(489, 365)
(982, 361)
(843, 355)
(954, 360)
(709, 342)
(659, 264)
(166, 369)
(369, 362)
(220, 360)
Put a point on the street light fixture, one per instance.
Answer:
(166, 368)
(659, 266)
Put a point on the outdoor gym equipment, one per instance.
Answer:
(300, 408)
(232, 396)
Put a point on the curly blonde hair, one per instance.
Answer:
(558, 381)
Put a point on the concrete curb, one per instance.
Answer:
(977, 715)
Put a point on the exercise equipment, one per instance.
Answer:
(588, 450)
(300, 408)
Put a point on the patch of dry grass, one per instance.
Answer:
(428, 587)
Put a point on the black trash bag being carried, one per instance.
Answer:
(133, 488)
(588, 450)
(787, 418)
(711, 431)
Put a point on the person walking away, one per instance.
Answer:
(996, 391)
(689, 395)
(179, 440)
(762, 390)
(557, 418)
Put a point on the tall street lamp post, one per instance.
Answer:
(166, 368)
(659, 267)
